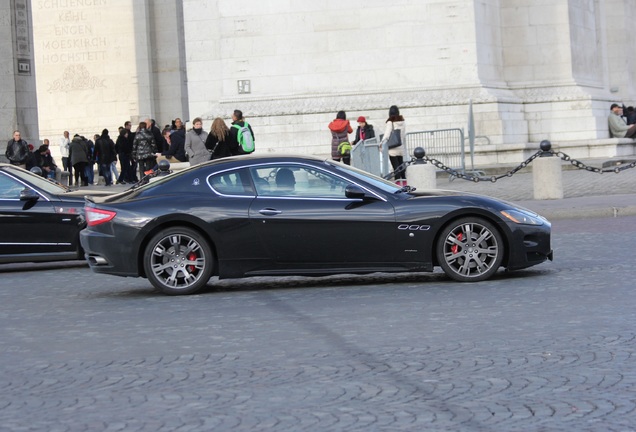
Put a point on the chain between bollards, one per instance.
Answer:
(419, 156)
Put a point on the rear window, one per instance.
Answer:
(234, 182)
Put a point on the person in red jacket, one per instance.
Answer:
(340, 129)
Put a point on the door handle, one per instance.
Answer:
(269, 212)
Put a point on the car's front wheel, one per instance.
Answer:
(178, 260)
(470, 249)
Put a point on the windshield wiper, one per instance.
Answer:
(405, 188)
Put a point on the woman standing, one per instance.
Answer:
(395, 125)
(105, 154)
(78, 154)
(340, 129)
(195, 143)
(144, 149)
(219, 142)
(364, 132)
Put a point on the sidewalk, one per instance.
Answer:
(586, 194)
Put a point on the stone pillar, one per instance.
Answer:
(421, 176)
(547, 178)
(18, 100)
(101, 63)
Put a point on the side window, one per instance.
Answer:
(232, 183)
(297, 181)
(9, 188)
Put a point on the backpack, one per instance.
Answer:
(244, 137)
(344, 148)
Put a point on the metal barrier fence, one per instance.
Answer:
(445, 145)
(366, 155)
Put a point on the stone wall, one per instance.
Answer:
(533, 70)
(541, 69)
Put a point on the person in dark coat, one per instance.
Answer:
(152, 127)
(178, 138)
(46, 163)
(238, 120)
(78, 155)
(219, 142)
(144, 150)
(365, 131)
(17, 150)
(105, 154)
(123, 147)
(176, 150)
(31, 160)
(131, 141)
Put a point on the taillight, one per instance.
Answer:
(96, 216)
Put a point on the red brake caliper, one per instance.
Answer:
(191, 257)
(455, 248)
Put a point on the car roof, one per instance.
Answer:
(251, 159)
(270, 158)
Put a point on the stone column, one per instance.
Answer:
(18, 100)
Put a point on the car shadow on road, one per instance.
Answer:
(38, 266)
(216, 286)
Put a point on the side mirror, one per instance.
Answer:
(355, 192)
(27, 194)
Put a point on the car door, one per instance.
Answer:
(306, 220)
(36, 225)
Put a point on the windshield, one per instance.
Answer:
(380, 183)
(37, 181)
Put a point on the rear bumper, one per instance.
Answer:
(107, 255)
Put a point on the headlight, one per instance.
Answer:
(522, 217)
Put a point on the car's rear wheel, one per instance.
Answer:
(470, 249)
(178, 260)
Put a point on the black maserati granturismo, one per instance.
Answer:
(295, 215)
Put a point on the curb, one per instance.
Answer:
(587, 212)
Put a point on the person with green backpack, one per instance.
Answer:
(242, 134)
(340, 129)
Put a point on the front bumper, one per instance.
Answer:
(529, 246)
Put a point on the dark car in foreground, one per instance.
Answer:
(296, 215)
(39, 220)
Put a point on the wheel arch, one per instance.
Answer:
(497, 223)
(169, 224)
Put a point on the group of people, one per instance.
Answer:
(25, 155)
(394, 135)
(138, 152)
(81, 154)
(221, 141)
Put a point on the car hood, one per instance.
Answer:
(468, 198)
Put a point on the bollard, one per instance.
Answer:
(547, 175)
(420, 174)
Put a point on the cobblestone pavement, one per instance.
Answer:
(549, 348)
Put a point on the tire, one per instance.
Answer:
(178, 261)
(470, 249)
